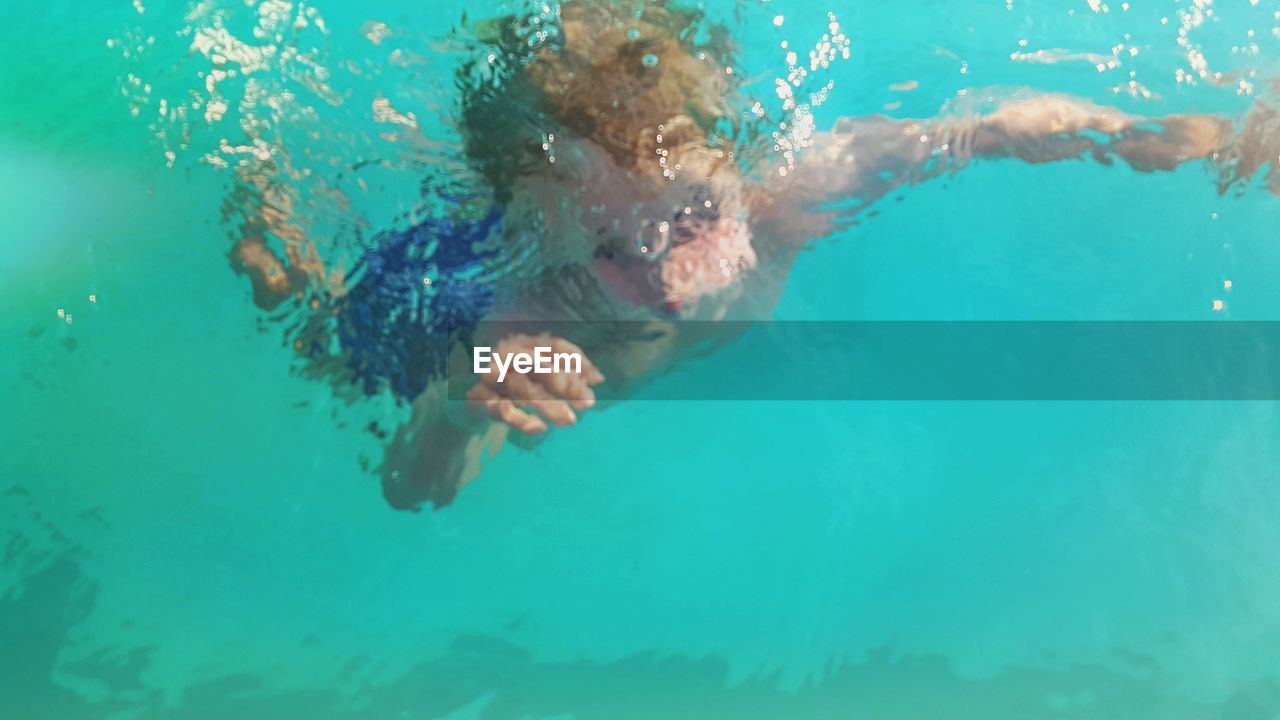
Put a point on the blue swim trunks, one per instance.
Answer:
(412, 296)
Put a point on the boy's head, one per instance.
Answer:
(643, 81)
(612, 124)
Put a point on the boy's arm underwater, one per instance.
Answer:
(437, 452)
(441, 448)
(865, 158)
(266, 209)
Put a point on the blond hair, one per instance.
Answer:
(627, 77)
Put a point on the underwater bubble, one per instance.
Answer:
(653, 237)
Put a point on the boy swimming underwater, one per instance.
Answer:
(613, 146)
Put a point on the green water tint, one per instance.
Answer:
(190, 530)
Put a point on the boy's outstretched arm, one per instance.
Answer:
(865, 158)
(1058, 127)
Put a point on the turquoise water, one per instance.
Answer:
(190, 531)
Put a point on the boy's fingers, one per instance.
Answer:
(571, 387)
(507, 412)
(522, 390)
(589, 369)
(580, 394)
(503, 410)
(557, 411)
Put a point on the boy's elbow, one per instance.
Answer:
(412, 490)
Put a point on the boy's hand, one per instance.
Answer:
(554, 396)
